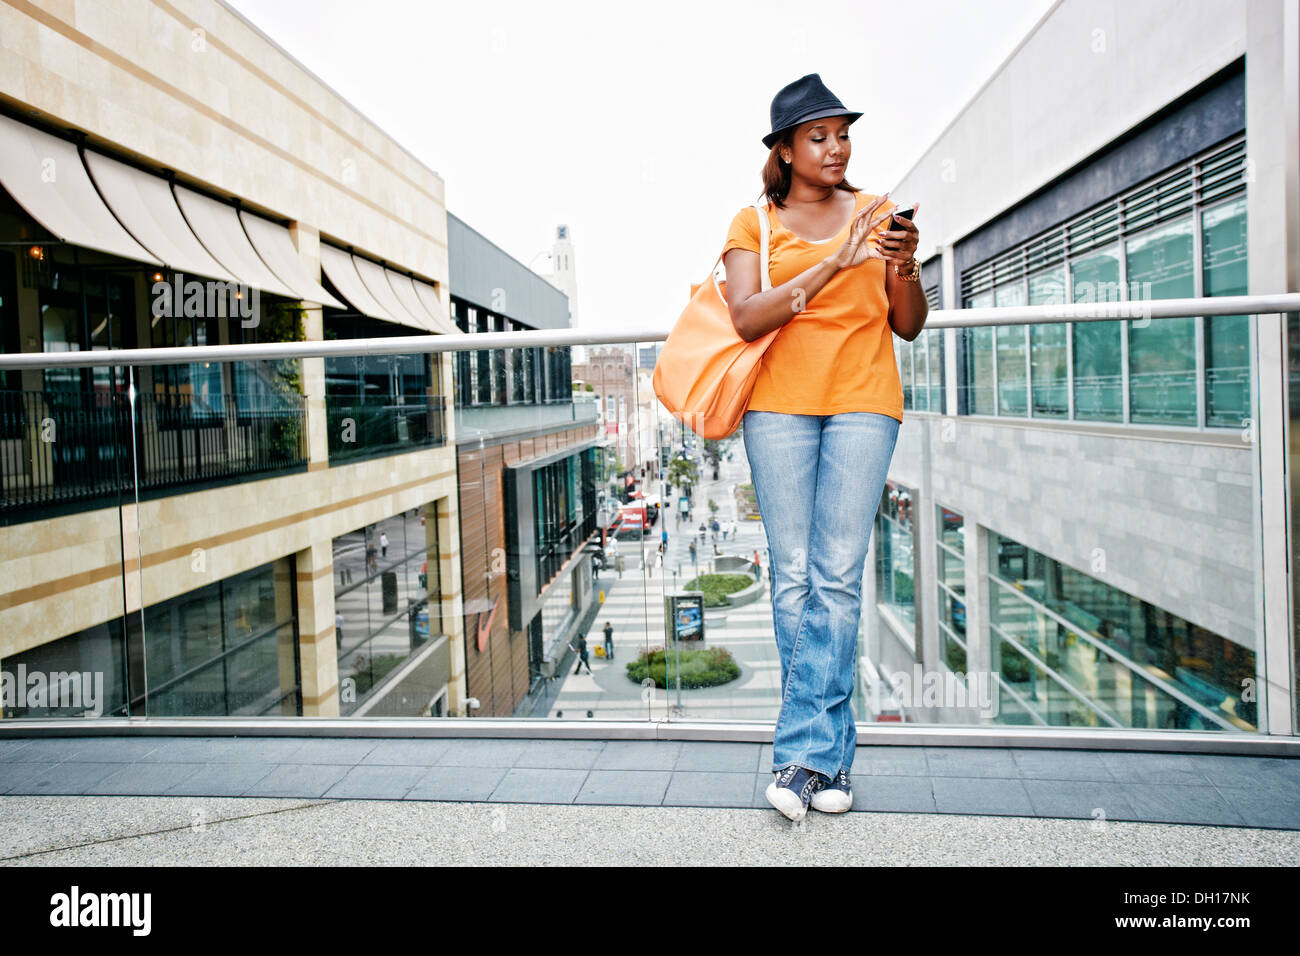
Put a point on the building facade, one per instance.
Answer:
(1074, 509)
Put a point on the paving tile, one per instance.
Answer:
(1061, 765)
(539, 785)
(1157, 803)
(1263, 807)
(1153, 768)
(1242, 772)
(261, 749)
(718, 757)
(11, 746)
(890, 761)
(560, 754)
(1080, 799)
(487, 752)
(625, 787)
(67, 778)
(222, 780)
(639, 755)
(689, 788)
(761, 780)
(970, 762)
(456, 783)
(377, 782)
(414, 753)
(340, 750)
(992, 795)
(895, 793)
(123, 749)
(51, 750)
(144, 779)
(298, 780)
(15, 774)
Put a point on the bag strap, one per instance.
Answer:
(765, 280)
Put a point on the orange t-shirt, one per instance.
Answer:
(837, 355)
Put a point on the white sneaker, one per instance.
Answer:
(791, 791)
(835, 797)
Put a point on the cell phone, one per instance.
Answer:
(903, 214)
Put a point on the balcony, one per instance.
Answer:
(1114, 691)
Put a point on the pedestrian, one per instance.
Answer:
(581, 651)
(371, 563)
(338, 626)
(619, 565)
(383, 544)
(609, 641)
(820, 437)
(692, 550)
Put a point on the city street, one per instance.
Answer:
(634, 605)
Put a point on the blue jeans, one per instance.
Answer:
(818, 480)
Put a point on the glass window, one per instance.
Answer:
(1048, 349)
(979, 361)
(1013, 374)
(905, 371)
(1098, 374)
(951, 576)
(1162, 352)
(895, 546)
(938, 374)
(1227, 337)
(921, 364)
(1154, 650)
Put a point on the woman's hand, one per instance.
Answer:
(900, 244)
(861, 245)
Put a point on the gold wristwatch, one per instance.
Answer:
(913, 270)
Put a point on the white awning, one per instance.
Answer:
(405, 292)
(275, 245)
(218, 228)
(428, 296)
(146, 206)
(342, 271)
(46, 177)
(372, 274)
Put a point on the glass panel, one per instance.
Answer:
(1013, 373)
(938, 371)
(895, 547)
(1048, 349)
(1098, 374)
(1141, 665)
(1227, 337)
(905, 372)
(1162, 352)
(979, 362)
(921, 360)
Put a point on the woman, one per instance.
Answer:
(823, 418)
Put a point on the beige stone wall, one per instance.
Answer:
(191, 86)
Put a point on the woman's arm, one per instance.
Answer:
(907, 306)
(756, 313)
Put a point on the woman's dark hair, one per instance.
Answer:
(777, 174)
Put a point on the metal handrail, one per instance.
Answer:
(1101, 311)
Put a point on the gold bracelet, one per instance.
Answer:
(913, 274)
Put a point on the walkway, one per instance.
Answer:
(207, 800)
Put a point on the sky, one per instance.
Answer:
(639, 126)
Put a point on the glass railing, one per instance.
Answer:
(279, 552)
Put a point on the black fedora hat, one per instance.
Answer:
(805, 99)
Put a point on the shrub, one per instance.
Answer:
(700, 667)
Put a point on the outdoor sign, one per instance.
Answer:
(684, 616)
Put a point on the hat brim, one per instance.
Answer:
(770, 139)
